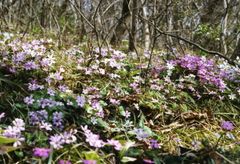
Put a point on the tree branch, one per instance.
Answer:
(191, 43)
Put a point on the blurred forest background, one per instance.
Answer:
(210, 25)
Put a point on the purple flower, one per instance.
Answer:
(41, 152)
(51, 92)
(154, 144)
(141, 134)
(57, 76)
(30, 65)
(58, 120)
(92, 139)
(34, 86)
(56, 141)
(63, 88)
(37, 117)
(89, 162)
(29, 100)
(64, 161)
(227, 125)
(80, 101)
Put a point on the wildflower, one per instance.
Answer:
(58, 119)
(51, 92)
(114, 101)
(80, 101)
(115, 143)
(57, 76)
(196, 144)
(34, 86)
(46, 126)
(31, 65)
(170, 66)
(19, 124)
(232, 96)
(69, 137)
(148, 161)
(154, 144)
(141, 134)
(92, 139)
(37, 117)
(63, 88)
(41, 152)
(29, 100)
(238, 91)
(64, 161)
(56, 141)
(227, 125)
(2, 115)
(127, 114)
(93, 120)
(15, 131)
(89, 162)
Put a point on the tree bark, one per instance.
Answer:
(224, 27)
(146, 32)
(122, 23)
(132, 35)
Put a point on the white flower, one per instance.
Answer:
(46, 126)
(56, 141)
(232, 96)
(238, 91)
(19, 124)
(170, 66)
(93, 120)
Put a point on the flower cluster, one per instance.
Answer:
(27, 56)
(58, 140)
(93, 140)
(37, 117)
(15, 131)
(58, 120)
(41, 152)
(206, 70)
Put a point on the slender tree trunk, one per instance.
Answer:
(132, 35)
(169, 20)
(224, 27)
(121, 28)
(146, 32)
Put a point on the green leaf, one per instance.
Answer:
(4, 140)
(103, 123)
(91, 155)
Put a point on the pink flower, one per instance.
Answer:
(41, 152)
(115, 143)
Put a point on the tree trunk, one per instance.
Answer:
(224, 27)
(132, 35)
(122, 23)
(146, 32)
